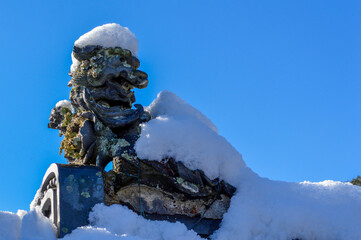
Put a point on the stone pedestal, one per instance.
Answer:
(68, 193)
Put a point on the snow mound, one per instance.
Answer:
(180, 131)
(169, 104)
(10, 226)
(122, 221)
(110, 35)
(264, 209)
(35, 226)
(25, 226)
(107, 35)
(64, 104)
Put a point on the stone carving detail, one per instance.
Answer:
(104, 127)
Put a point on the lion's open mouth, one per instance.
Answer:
(111, 112)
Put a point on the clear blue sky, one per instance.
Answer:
(280, 79)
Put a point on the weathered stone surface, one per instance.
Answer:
(58, 117)
(157, 201)
(104, 127)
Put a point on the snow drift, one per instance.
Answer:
(180, 131)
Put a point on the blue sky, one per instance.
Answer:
(280, 79)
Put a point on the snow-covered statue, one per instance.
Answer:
(100, 125)
(104, 125)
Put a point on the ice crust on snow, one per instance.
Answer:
(180, 131)
(107, 35)
(261, 209)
